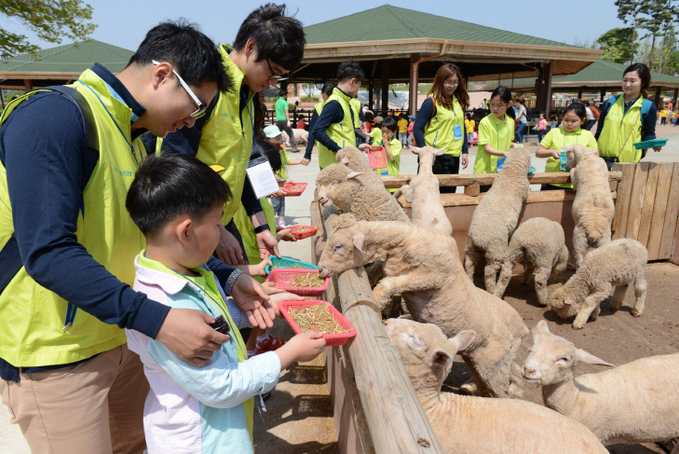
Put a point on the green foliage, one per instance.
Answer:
(51, 20)
(617, 45)
(310, 98)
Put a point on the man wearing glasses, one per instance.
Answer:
(267, 46)
(68, 159)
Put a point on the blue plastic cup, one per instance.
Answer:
(500, 163)
(563, 160)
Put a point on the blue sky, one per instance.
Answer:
(123, 22)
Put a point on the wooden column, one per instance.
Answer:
(370, 93)
(544, 88)
(28, 84)
(657, 97)
(412, 84)
(385, 87)
(602, 94)
(580, 93)
(676, 94)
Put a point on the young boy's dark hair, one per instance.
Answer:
(279, 38)
(168, 185)
(194, 57)
(390, 124)
(350, 69)
(270, 152)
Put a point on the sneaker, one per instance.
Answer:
(281, 224)
(268, 344)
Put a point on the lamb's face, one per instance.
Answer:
(326, 192)
(342, 252)
(562, 304)
(550, 359)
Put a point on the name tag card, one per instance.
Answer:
(262, 177)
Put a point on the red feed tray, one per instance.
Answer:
(282, 277)
(303, 231)
(290, 184)
(330, 339)
(377, 158)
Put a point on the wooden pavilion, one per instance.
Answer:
(402, 45)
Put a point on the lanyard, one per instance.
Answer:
(134, 154)
(497, 130)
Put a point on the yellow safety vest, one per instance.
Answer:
(439, 133)
(33, 317)
(621, 131)
(356, 109)
(341, 133)
(228, 136)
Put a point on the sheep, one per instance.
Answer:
(593, 207)
(466, 424)
(497, 216)
(633, 403)
(301, 136)
(352, 193)
(427, 209)
(539, 245)
(357, 161)
(424, 268)
(616, 264)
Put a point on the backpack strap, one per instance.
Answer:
(607, 105)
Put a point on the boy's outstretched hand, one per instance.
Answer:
(252, 298)
(186, 333)
(302, 347)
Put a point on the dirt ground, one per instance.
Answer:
(616, 337)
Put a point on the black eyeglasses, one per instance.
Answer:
(200, 111)
(273, 75)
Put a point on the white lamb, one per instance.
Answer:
(637, 402)
(425, 270)
(301, 136)
(539, 245)
(593, 207)
(352, 193)
(465, 424)
(424, 194)
(496, 217)
(615, 264)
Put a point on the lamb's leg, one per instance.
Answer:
(618, 296)
(490, 274)
(503, 280)
(471, 259)
(541, 278)
(640, 293)
(579, 244)
(390, 286)
(590, 305)
(528, 272)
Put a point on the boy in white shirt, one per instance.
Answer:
(177, 202)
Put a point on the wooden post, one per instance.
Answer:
(389, 405)
(602, 94)
(412, 84)
(580, 93)
(370, 93)
(385, 88)
(674, 99)
(544, 88)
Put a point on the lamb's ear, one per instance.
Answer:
(358, 241)
(440, 152)
(542, 327)
(568, 301)
(440, 358)
(352, 175)
(345, 160)
(415, 150)
(462, 340)
(582, 356)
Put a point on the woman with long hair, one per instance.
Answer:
(627, 119)
(440, 121)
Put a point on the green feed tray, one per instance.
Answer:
(288, 263)
(650, 144)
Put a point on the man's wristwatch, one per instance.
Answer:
(261, 228)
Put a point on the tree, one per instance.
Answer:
(617, 45)
(659, 17)
(51, 20)
(629, 10)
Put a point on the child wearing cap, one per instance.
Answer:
(273, 135)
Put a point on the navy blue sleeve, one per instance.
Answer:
(42, 154)
(311, 139)
(465, 143)
(332, 113)
(250, 201)
(602, 118)
(361, 115)
(648, 128)
(421, 121)
(221, 270)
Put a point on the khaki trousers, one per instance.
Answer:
(95, 407)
